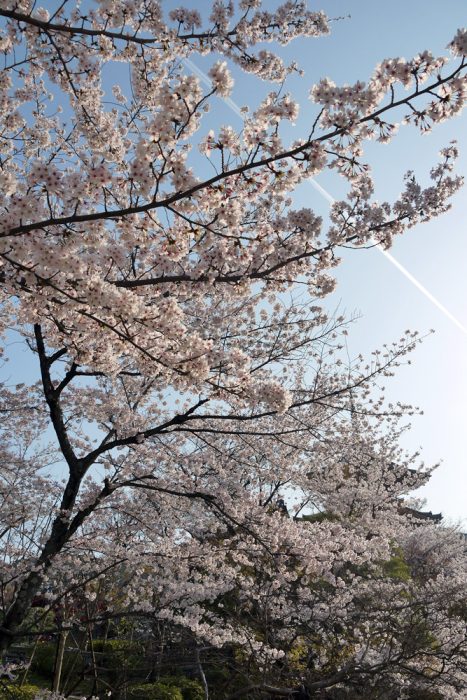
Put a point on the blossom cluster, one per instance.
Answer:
(198, 406)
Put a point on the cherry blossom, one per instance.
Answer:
(196, 432)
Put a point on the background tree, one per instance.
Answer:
(147, 264)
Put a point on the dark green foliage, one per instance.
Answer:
(43, 661)
(118, 650)
(191, 689)
(170, 687)
(15, 692)
(319, 517)
(119, 656)
(396, 567)
(155, 691)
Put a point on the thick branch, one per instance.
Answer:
(132, 38)
(53, 402)
(200, 186)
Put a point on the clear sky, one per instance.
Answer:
(435, 254)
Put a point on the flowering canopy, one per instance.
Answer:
(145, 262)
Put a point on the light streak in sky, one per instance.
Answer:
(329, 198)
(400, 267)
(423, 290)
(205, 79)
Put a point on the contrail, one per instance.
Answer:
(329, 198)
(423, 289)
(205, 79)
(324, 193)
(400, 267)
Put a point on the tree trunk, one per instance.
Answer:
(31, 585)
(18, 611)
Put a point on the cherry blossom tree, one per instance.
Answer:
(149, 264)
